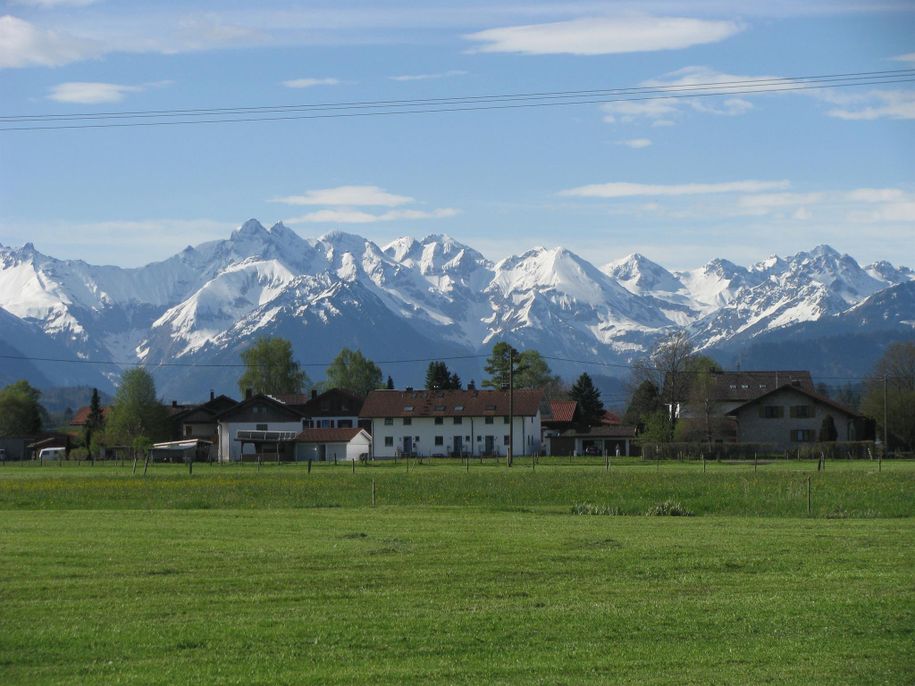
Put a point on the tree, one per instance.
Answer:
(590, 407)
(390, 385)
(895, 372)
(95, 421)
(646, 400)
(498, 364)
(136, 412)
(352, 371)
(439, 377)
(828, 431)
(532, 371)
(271, 369)
(20, 410)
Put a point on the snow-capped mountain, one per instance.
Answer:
(408, 299)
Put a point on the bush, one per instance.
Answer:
(669, 508)
(592, 509)
(79, 454)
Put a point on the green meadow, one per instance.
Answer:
(458, 574)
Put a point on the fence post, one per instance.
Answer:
(309, 466)
(354, 466)
(809, 508)
(373, 492)
(146, 463)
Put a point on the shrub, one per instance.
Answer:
(669, 508)
(592, 509)
(79, 454)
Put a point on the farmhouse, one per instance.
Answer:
(258, 425)
(199, 421)
(790, 415)
(456, 422)
(335, 408)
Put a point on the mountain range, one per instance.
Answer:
(188, 317)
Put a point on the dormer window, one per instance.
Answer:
(407, 408)
(458, 408)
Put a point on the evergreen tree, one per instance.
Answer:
(352, 371)
(645, 400)
(438, 377)
(390, 383)
(498, 364)
(828, 432)
(20, 410)
(95, 420)
(590, 406)
(271, 369)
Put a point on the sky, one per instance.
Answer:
(678, 179)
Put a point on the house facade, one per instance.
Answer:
(259, 425)
(331, 445)
(789, 416)
(452, 423)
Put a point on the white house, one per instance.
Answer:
(441, 423)
(331, 445)
(259, 425)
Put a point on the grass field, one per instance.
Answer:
(234, 575)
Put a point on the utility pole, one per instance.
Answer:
(886, 445)
(511, 404)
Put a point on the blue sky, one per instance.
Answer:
(681, 181)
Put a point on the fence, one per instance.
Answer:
(850, 450)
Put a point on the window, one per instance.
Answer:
(261, 427)
(744, 386)
(771, 411)
(388, 441)
(344, 423)
(505, 440)
(762, 386)
(439, 408)
(439, 440)
(802, 411)
(439, 420)
(389, 421)
(802, 435)
(407, 421)
(458, 408)
(187, 429)
(325, 424)
(491, 408)
(407, 408)
(505, 420)
(488, 420)
(733, 386)
(458, 420)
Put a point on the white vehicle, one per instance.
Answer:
(52, 454)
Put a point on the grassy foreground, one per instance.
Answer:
(452, 595)
(234, 575)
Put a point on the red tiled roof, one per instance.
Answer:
(477, 403)
(328, 435)
(611, 418)
(82, 415)
(562, 410)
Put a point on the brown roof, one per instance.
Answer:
(742, 386)
(813, 395)
(562, 410)
(476, 403)
(611, 418)
(82, 415)
(328, 435)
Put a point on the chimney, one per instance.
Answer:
(249, 393)
(212, 395)
(409, 389)
(174, 403)
(314, 393)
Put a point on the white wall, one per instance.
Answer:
(230, 449)
(526, 439)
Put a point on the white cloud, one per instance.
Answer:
(428, 77)
(908, 57)
(90, 92)
(348, 196)
(878, 104)
(875, 195)
(308, 83)
(604, 35)
(351, 216)
(636, 143)
(628, 190)
(24, 45)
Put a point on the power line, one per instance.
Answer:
(457, 104)
(451, 358)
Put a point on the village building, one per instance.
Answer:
(331, 445)
(258, 426)
(790, 415)
(453, 422)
